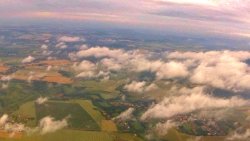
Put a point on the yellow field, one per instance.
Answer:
(6, 135)
(52, 63)
(39, 73)
(57, 79)
(108, 126)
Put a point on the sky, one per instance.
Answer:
(229, 17)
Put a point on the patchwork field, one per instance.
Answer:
(76, 135)
(41, 74)
(69, 135)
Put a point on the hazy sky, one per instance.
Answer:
(231, 17)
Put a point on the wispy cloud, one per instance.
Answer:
(212, 16)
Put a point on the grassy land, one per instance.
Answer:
(27, 110)
(126, 137)
(79, 118)
(107, 89)
(174, 135)
(76, 135)
(88, 106)
(109, 126)
(69, 135)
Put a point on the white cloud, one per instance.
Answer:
(151, 87)
(172, 70)
(86, 74)
(6, 78)
(28, 59)
(61, 45)
(84, 66)
(195, 2)
(163, 70)
(206, 68)
(14, 127)
(10, 127)
(140, 87)
(69, 39)
(83, 47)
(41, 100)
(3, 119)
(220, 69)
(44, 47)
(49, 68)
(46, 125)
(126, 115)
(100, 52)
(188, 101)
(49, 124)
(162, 128)
(136, 87)
(87, 69)
(111, 64)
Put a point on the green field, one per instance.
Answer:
(68, 135)
(174, 135)
(76, 135)
(106, 89)
(88, 106)
(78, 117)
(27, 110)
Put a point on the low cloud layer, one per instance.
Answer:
(126, 115)
(139, 87)
(86, 69)
(188, 101)
(220, 69)
(162, 128)
(46, 125)
(203, 68)
(69, 39)
(49, 124)
(28, 59)
(41, 100)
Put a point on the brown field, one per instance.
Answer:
(4, 135)
(27, 77)
(36, 37)
(108, 125)
(3, 68)
(57, 79)
(40, 74)
(52, 63)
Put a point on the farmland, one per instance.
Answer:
(3, 68)
(78, 117)
(104, 104)
(108, 126)
(69, 135)
(91, 109)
